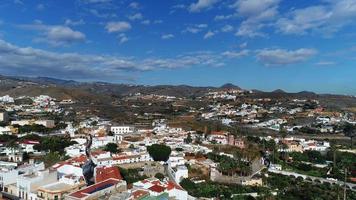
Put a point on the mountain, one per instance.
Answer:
(278, 91)
(46, 80)
(230, 86)
(105, 93)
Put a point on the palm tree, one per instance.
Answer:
(349, 131)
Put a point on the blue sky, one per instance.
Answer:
(256, 44)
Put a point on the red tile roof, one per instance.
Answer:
(139, 194)
(157, 188)
(172, 185)
(94, 188)
(104, 173)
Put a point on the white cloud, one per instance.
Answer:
(136, 16)
(119, 26)
(158, 21)
(201, 5)
(209, 34)
(284, 57)
(69, 22)
(326, 18)
(134, 5)
(243, 45)
(255, 13)
(227, 28)
(18, 2)
(256, 9)
(146, 22)
(167, 36)
(40, 7)
(56, 35)
(196, 28)
(223, 17)
(101, 15)
(123, 38)
(235, 54)
(29, 61)
(248, 29)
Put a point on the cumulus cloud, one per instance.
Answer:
(119, 26)
(69, 22)
(123, 38)
(136, 16)
(146, 22)
(56, 35)
(283, 56)
(167, 36)
(223, 17)
(227, 28)
(196, 28)
(326, 18)
(255, 13)
(96, 13)
(134, 5)
(201, 5)
(235, 54)
(209, 34)
(243, 45)
(40, 7)
(28, 61)
(158, 21)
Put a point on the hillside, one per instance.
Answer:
(101, 92)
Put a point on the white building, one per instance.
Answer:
(4, 117)
(120, 131)
(27, 184)
(7, 176)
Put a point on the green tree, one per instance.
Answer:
(111, 147)
(160, 176)
(349, 131)
(159, 152)
(188, 140)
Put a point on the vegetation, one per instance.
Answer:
(293, 188)
(52, 158)
(230, 166)
(217, 190)
(37, 128)
(159, 152)
(111, 147)
(53, 144)
(350, 131)
(160, 176)
(131, 175)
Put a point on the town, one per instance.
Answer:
(223, 144)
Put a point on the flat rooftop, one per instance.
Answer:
(56, 187)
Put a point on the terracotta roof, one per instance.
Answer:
(172, 185)
(139, 193)
(94, 188)
(157, 188)
(104, 173)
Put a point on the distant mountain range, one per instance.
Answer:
(105, 92)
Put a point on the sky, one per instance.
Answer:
(255, 44)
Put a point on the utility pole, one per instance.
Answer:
(345, 183)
